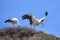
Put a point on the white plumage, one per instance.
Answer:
(33, 20)
(12, 21)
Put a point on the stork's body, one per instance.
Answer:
(33, 20)
(12, 21)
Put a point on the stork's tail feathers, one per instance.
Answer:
(46, 13)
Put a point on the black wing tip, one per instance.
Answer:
(24, 16)
(5, 21)
(46, 13)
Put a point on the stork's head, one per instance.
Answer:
(46, 13)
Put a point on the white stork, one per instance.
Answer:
(12, 21)
(33, 20)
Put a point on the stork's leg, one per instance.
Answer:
(18, 25)
(32, 27)
(42, 23)
(13, 25)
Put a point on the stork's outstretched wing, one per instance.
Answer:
(26, 16)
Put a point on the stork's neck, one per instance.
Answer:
(42, 19)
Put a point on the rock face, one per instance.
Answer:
(25, 34)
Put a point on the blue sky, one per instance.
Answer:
(17, 8)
